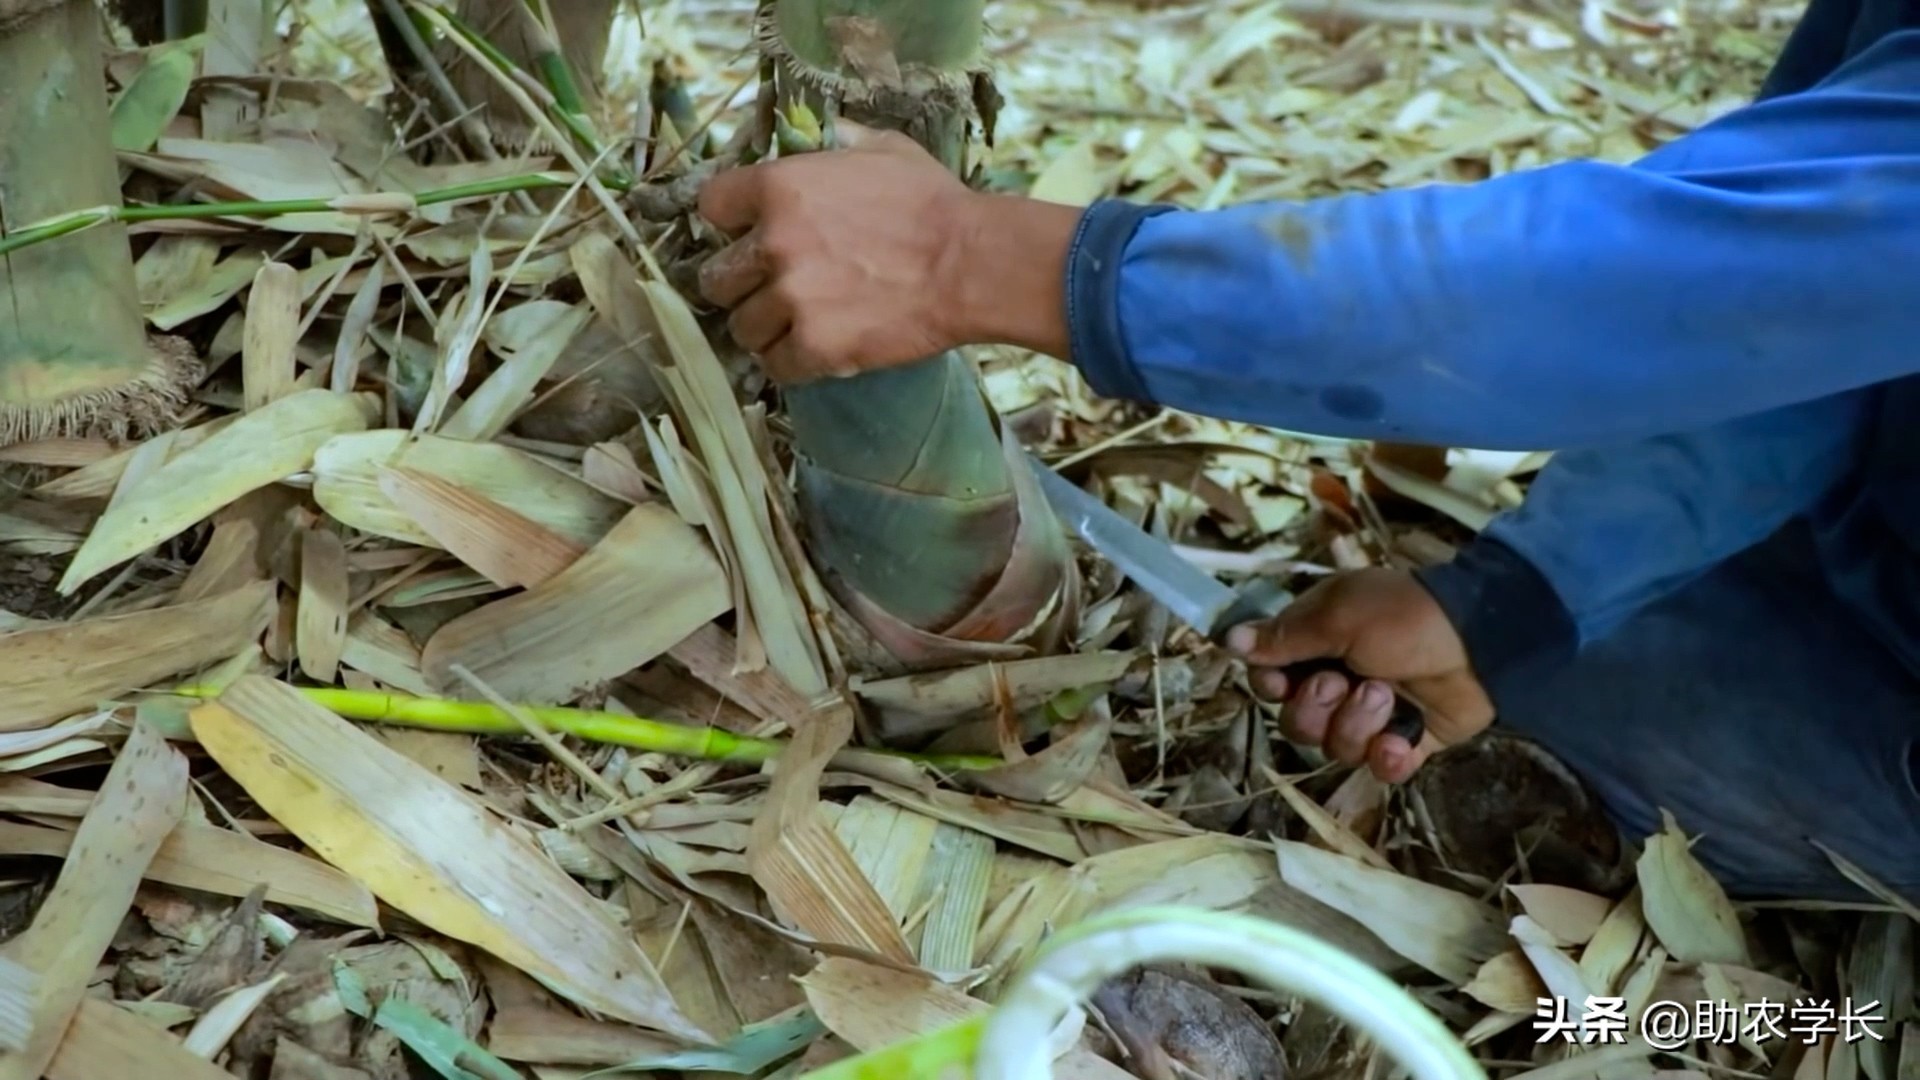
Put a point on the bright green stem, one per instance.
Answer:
(613, 729)
(908, 495)
(78, 220)
(71, 330)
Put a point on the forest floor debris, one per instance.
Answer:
(254, 885)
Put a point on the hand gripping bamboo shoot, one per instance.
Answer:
(921, 516)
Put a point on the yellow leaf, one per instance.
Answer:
(347, 474)
(1688, 910)
(263, 447)
(643, 588)
(1570, 915)
(423, 846)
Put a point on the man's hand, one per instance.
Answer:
(1388, 629)
(874, 255)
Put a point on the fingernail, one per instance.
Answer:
(1374, 696)
(1242, 639)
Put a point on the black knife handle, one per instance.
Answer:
(1407, 721)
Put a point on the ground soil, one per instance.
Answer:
(27, 586)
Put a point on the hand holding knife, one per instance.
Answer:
(1190, 594)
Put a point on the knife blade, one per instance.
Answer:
(1189, 593)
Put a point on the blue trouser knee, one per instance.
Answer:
(1754, 707)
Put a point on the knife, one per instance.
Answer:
(1189, 593)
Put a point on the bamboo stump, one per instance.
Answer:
(75, 357)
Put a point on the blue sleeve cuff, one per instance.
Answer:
(1512, 621)
(1099, 348)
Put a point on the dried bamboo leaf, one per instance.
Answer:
(457, 332)
(147, 458)
(422, 846)
(753, 969)
(19, 991)
(511, 550)
(1073, 178)
(97, 480)
(495, 402)
(226, 863)
(889, 845)
(1687, 909)
(57, 670)
(378, 648)
(353, 330)
(1858, 875)
(1213, 872)
(1614, 944)
(347, 472)
(452, 757)
(205, 293)
(873, 1007)
(1570, 915)
(709, 654)
(1443, 931)
(645, 586)
(272, 331)
(939, 695)
(61, 751)
(143, 798)
(959, 871)
(320, 633)
(1327, 829)
(1039, 832)
(1432, 494)
(107, 1042)
(1507, 983)
(59, 452)
(809, 876)
(1558, 970)
(703, 397)
(610, 468)
(1880, 968)
(229, 561)
(528, 1025)
(224, 1018)
(264, 446)
(1058, 771)
(13, 743)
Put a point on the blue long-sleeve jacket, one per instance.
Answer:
(1719, 337)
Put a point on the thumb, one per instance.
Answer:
(1302, 632)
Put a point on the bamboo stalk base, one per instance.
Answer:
(134, 408)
